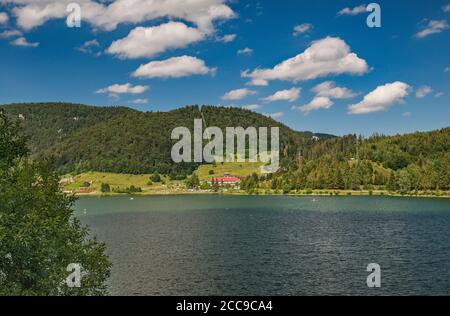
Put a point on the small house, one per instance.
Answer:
(227, 179)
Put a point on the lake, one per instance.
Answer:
(272, 245)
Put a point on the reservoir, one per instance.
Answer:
(272, 245)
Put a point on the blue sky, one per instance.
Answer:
(346, 78)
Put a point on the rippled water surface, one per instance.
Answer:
(249, 245)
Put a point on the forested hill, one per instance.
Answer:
(122, 140)
(393, 152)
(47, 124)
(402, 163)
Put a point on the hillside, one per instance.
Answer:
(47, 124)
(401, 163)
(141, 142)
(121, 140)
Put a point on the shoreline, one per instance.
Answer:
(91, 184)
(331, 193)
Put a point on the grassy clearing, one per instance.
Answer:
(118, 181)
(238, 169)
(166, 186)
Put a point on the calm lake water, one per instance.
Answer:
(260, 245)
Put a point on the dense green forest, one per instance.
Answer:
(401, 163)
(47, 124)
(122, 140)
(126, 141)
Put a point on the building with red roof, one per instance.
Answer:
(227, 179)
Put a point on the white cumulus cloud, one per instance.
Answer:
(433, 27)
(245, 51)
(290, 95)
(446, 8)
(88, 47)
(175, 67)
(353, 11)
(423, 91)
(329, 89)
(302, 28)
(382, 98)
(238, 94)
(23, 42)
(10, 33)
(4, 18)
(151, 41)
(227, 38)
(127, 88)
(316, 104)
(107, 15)
(328, 56)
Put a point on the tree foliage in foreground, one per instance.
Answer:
(39, 236)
